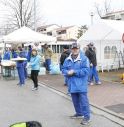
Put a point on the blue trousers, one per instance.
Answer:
(21, 75)
(48, 63)
(25, 72)
(94, 74)
(81, 104)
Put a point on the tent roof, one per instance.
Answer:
(7, 45)
(25, 34)
(104, 30)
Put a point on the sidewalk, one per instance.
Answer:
(108, 95)
(51, 109)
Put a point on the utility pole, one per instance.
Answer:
(21, 24)
(35, 25)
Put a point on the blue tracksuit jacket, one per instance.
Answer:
(79, 81)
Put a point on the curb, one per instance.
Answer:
(116, 118)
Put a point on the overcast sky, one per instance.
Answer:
(70, 12)
(73, 12)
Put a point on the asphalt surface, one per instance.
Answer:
(109, 95)
(52, 110)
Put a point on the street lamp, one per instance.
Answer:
(91, 14)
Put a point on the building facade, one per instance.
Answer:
(118, 15)
(48, 29)
(61, 33)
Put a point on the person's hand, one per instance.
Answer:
(71, 72)
(28, 65)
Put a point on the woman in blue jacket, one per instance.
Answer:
(35, 68)
(76, 69)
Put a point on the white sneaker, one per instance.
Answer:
(91, 84)
(98, 83)
(35, 88)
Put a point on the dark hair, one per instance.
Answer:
(35, 51)
(65, 47)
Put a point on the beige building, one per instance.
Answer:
(118, 15)
(62, 33)
(67, 33)
(48, 29)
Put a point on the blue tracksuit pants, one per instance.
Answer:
(81, 104)
(94, 74)
(48, 63)
(21, 75)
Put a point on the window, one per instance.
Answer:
(113, 51)
(62, 32)
(49, 33)
(54, 48)
(107, 51)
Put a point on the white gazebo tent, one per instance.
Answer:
(106, 35)
(25, 34)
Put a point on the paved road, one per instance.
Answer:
(52, 110)
(107, 94)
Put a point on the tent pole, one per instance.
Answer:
(100, 51)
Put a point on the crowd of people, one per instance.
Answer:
(33, 60)
(78, 68)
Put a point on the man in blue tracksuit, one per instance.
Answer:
(64, 55)
(6, 55)
(76, 68)
(91, 54)
(20, 67)
(14, 53)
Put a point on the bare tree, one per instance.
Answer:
(103, 9)
(20, 13)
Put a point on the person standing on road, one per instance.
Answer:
(64, 55)
(91, 54)
(20, 67)
(47, 54)
(35, 68)
(13, 53)
(76, 68)
(6, 54)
